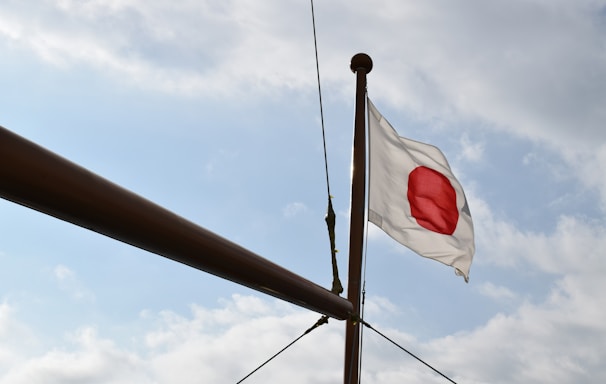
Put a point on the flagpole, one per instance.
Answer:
(361, 64)
(39, 179)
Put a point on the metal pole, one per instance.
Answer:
(39, 179)
(361, 64)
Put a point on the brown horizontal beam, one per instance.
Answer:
(39, 179)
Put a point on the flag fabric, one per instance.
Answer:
(415, 198)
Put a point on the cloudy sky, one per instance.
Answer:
(211, 110)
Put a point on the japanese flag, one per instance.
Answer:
(415, 198)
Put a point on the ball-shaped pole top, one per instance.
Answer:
(361, 60)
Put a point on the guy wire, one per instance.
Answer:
(313, 21)
(407, 351)
(363, 303)
(337, 287)
(321, 321)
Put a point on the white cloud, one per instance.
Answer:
(544, 342)
(471, 150)
(559, 338)
(15, 337)
(294, 209)
(574, 247)
(63, 273)
(213, 344)
(530, 68)
(590, 167)
(495, 292)
(70, 283)
(90, 360)
(551, 341)
(376, 306)
(541, 80)
(199, 47)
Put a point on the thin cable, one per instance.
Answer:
(362, 329)
(405, 350)
(330, 218)
(313, 22)
(365, 250)
(321, 321)
(362, 305)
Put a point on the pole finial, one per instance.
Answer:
(361, 60)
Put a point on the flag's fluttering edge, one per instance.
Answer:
(415, 198)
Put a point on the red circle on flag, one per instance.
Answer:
(433, 200)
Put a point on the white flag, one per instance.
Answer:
(415, 198)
